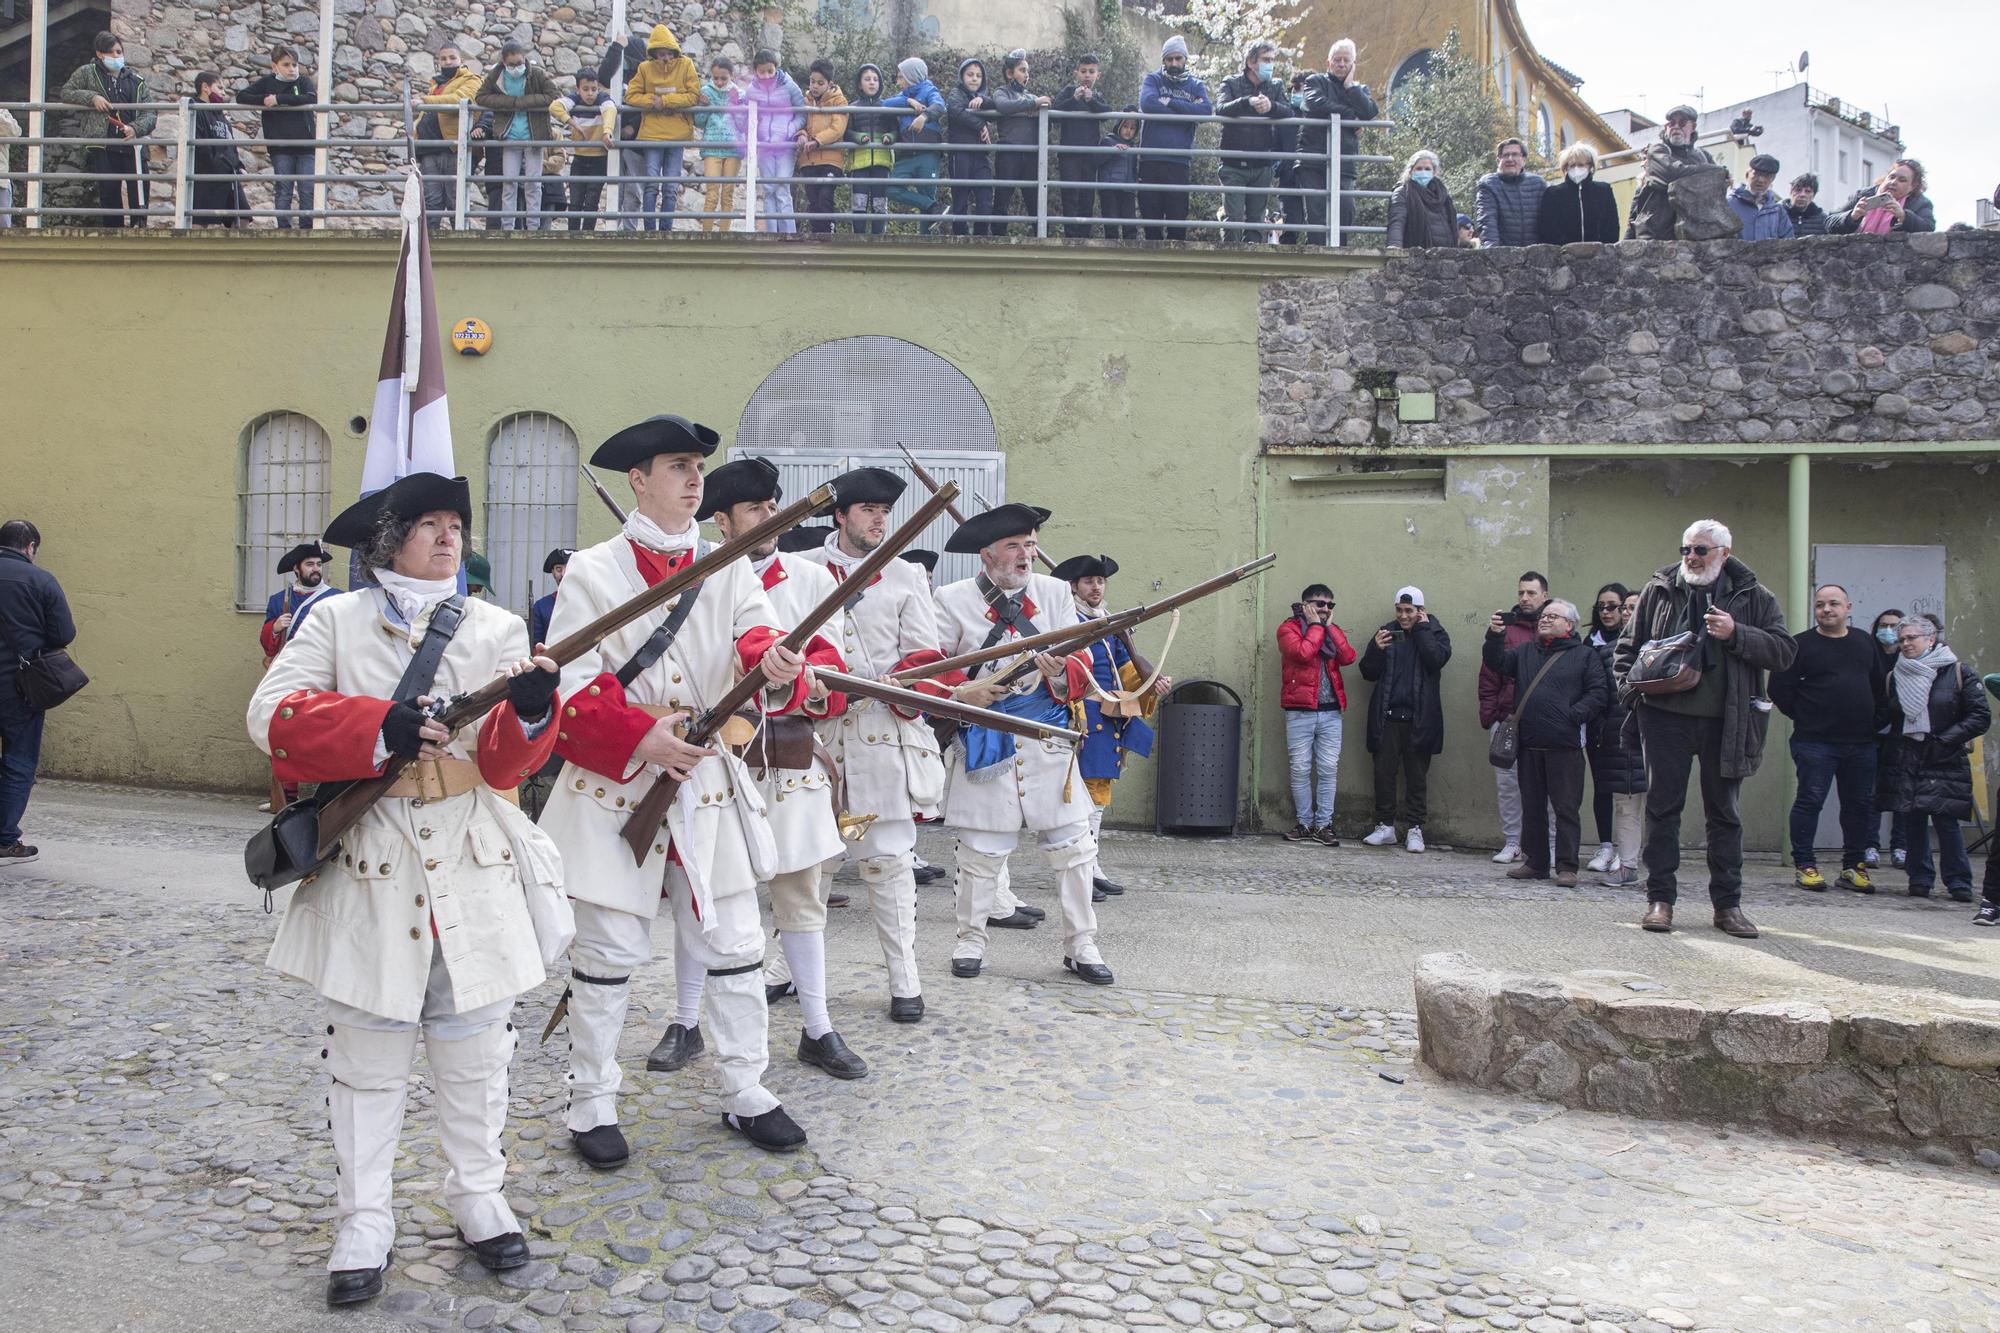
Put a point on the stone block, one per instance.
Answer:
(1963, 1043)
(1884, 1039)
(1539, 999)
(1537, 354)
(1765, 322)
(1892, 405)
(1931, 296)
(1832, 1097)
(1930, 244)
(1954, 343)
(1455, 1015)
(1656, 1018)
(1642, 343)
(1629, 1086)
(1546, 1071)
(1775, 1034)
(1934, 1100)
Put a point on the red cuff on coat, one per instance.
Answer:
(271, 637)
(1076, 681)
(821, 653)
(320, 736)
(750, 650)
(507, 757)
(596, 729)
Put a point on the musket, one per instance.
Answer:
(641, 830)
(915, 701)
(923, 475)
(341, 805)
(602, 494)
(1071, 637)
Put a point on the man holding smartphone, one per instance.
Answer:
(1312, 650)
(1405, 716)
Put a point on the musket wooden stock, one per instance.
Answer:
(1069, 638)
(916, 701)
(651, 810)
(340, 812)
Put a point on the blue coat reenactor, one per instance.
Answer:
(1115, 718)
(284, 616)
(545, 607)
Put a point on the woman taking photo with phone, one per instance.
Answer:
(1896, 202)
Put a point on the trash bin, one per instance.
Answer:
(1196, 762)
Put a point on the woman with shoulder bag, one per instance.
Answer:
(1937, 709)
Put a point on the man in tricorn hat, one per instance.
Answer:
(284, 615)
(421, 921)
(544, 609)
(628, 701)
(1000, 785)
(887, 758)
(798, 799)
(1109, 734)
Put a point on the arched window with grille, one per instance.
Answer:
(531, 472)
(281, 493)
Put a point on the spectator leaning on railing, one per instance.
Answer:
(99, 85)
(820, 157)
(1018, 125)
(284, 93)
(968, 129)
(1765, 217)
(1652, 216)
(873, 132)
(1336, 92)
(919, 130)
(1421, 212)
(519, 95)
(1895, 203)
(721, 131)
(1579, 207)
(1251, 100)
(1169, 90)
(589, 116)
(453, 85)
(1509, 199)
(1078, 171)
(1116, 173)
(1808, 218)
(780, 107)
(216, 202)
(9, 129)
(662, 88)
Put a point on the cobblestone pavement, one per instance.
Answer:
(1036, 1154)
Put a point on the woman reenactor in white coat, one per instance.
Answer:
(423, 918)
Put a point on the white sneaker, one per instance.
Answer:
(1383, 836)
(263, 807)
(1506, 855)
(1415, 842)
(1872, 857)
(1604, 859)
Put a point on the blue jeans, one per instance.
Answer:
(1313, 739)
(287, 194)
(1821, 765)
(1951, 850)
(20, 752)
(660, 195)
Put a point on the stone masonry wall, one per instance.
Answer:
(1851, 338)
(1927, 1078)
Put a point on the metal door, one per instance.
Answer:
(282, 501)
(981, 478)
(531, 480)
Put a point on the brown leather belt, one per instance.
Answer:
(437, 779)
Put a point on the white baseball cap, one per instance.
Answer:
(1413, 595)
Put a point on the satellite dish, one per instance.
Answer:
(1805, 61)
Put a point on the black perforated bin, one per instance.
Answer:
(1196, 762)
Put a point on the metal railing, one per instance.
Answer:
(948, 187)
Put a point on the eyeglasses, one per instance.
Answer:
(1698, 550)
(1611, 606)
(1554, 615)
(1324, 606)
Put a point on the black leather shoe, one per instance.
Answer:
(928, 874)
(499, 1253)
(351, 1286)
(1015, 920)
(1960, 895)
(773, 994)
(677, 1046)
(1098, 895)
(603, 1148)
(1035, 912)
(966, 967)
(773, 1131)
(906, 1008)
(1103, 885)
(837, 900)
(831, 1054)
(1097, 974)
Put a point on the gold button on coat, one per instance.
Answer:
(416, 934)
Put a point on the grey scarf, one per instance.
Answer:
(1914, 678)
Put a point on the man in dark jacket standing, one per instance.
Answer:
(290, 130)
(1509, 210)
(1169, 91)
(1252, 100)
(1405, 715)
(1562, 687)
(1739, 630)
(1017, 127)
(1496, 699)
(1334, 93)
(34, 617)
(1079, 170)
(1834, 692)
(1653, 215)
(1808, 218)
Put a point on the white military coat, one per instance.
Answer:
(799, 803)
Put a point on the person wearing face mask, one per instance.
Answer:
(1421, 213)
(1579, 207)
(1895, 203)
(454, 84)
(217, 203)
(519, 96)
(1169, 91)
(1738, 634)
(1763, 212)
(1936, 710)
(1251, 100)
(1883, 631)
(1675, 156)
(100, 85)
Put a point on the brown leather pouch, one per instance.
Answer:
(783, 742)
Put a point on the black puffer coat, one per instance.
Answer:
(1932, 776)
(1567, 700)
(1617, 760)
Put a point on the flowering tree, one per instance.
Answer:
(1219, 30)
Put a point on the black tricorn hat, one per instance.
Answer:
(406, 497)
(806, 537)
(559, 556)
(918, 556)
(867, 486)
(305, 551)
(1085, 566)
(655, 435)
(739, 481)
(996, 525)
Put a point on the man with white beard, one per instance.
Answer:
(1674, 156)
(999, 785)
(1739, 635)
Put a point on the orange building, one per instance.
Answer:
(1396, 38)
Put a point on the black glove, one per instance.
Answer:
(399, 729)
(531, 693)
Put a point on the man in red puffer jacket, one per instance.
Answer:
(1312, 650)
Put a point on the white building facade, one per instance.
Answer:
(1808, 129)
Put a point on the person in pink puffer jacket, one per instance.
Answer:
(780, 114)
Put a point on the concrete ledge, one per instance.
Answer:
(1612, 1042)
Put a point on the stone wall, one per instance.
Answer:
(1856, 338)
(1610, 1042)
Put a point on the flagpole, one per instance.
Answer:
(414, 331)
(38, 93)
(321, 121)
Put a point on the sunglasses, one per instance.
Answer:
(1611, 606)
(1328, 606)
(1698, 550)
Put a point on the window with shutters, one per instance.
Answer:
(851, 402)
(281, 500)
(531, 481)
